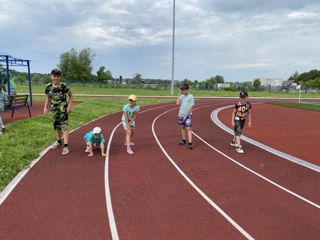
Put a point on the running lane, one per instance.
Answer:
(290, 130)
(264, 210)
(150, 199)
(62, 196)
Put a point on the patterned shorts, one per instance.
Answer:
(187, 122)
(60, 121)
(238, 126)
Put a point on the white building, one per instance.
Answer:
(271, 82)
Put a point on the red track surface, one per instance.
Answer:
(63, 197)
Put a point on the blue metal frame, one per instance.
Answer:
(16, 62)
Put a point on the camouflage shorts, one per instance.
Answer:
(60, 121)
(238, 126)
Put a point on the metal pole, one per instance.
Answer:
(173, 43)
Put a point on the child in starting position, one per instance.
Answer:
(94, 138)
(241, 110)
(130, 112)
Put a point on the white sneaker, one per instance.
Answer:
(239, 149)
(233, 143)
(130, 151)
(56, 145)
(65, 150)
(87, 150)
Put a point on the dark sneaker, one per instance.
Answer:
(190, 146)
(183, 142)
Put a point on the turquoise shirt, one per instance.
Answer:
(131, 112)
(186, 101)
(90, 138)
(3, 98)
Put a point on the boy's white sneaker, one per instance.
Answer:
(65, 150)
(233, 143)
(56, 145)
(239, 149)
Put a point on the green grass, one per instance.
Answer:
(25, 139)
(313, 106)
(146, 92)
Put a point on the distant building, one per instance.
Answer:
(220, 86)
(272, 84)
(290, 85)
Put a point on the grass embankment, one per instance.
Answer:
(146, 92)
(313, 106)
(25, 139)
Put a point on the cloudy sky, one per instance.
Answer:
(238, 39)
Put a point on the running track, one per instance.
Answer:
(165, 191)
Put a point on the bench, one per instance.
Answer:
(17, 101)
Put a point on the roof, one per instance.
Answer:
(288, 83)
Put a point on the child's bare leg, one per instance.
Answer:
(189, 131)
(66, 137)
(128, 140)
(237, 140)
(184, 132)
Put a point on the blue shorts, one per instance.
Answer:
(132, 125)
(187, 123)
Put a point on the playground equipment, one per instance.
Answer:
(7, 61)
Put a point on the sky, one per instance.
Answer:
(240, 40)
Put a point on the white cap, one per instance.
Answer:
(96, 130)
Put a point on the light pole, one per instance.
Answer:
(173, 43)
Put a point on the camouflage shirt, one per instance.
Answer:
(58, 96)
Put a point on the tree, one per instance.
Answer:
(104, 74)
(294, 76)
(137, 79)
(256, 84)
(76, 66)
(211, 82)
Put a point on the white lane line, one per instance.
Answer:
(212, 203)
(215, 119)
(257, 174)
(14, 182)
(112, 222)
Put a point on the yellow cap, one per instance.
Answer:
(132, 97)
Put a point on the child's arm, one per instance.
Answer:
(90, 147)
(178, 98)
(249, 116)
(70, 102)
(126, 120)
(134, 118)
(46, 104)
(102, 149)
(232, 117)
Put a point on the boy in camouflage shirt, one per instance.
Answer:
(60, 98)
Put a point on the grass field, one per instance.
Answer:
(313, 106)
(146, 92)
(25, 139)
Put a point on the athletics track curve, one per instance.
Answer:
(62, 197)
